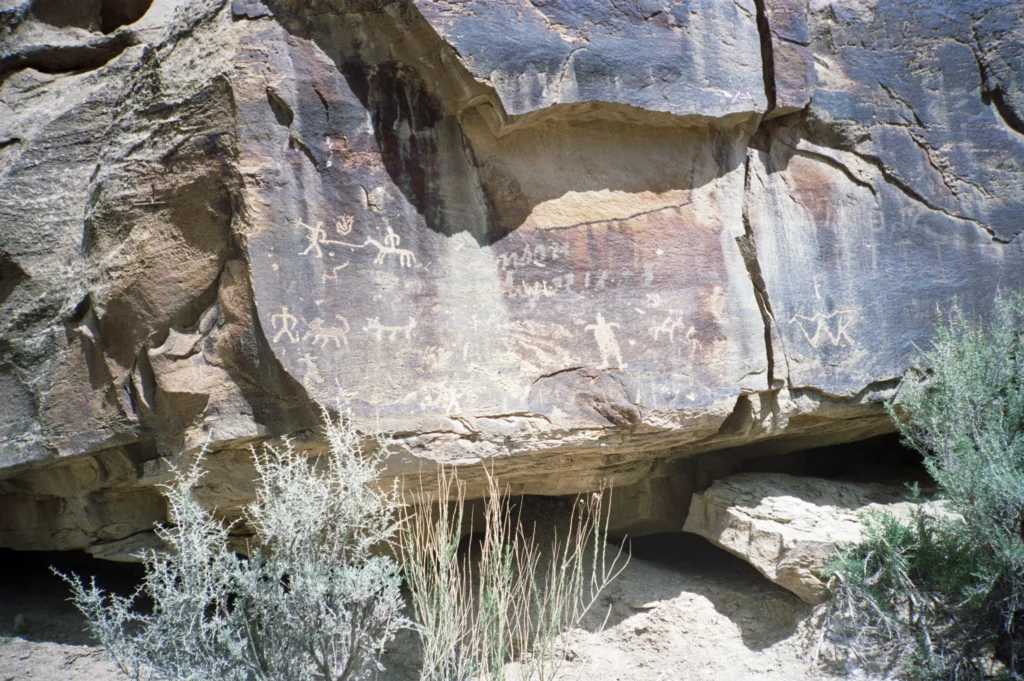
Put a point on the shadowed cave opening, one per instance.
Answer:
(34, 601)
(685, 562)
(882, 459)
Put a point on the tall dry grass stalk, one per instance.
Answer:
(507, 610)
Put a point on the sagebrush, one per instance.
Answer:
(315, 601)
(942, 597)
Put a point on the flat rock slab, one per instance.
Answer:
(788, 526)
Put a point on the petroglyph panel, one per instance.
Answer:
(856, 268)
(433, 296)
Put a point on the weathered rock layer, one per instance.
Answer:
(576, 242)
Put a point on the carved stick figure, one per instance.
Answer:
(316, 236)
(606, 342)
(288, 324)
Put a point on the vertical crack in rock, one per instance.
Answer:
(767, 55)
(748, 250)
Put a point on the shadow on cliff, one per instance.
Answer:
(462, 162)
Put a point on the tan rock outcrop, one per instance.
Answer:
(787, 526)
(572, 242)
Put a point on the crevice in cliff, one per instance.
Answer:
(872, 392)
(767, 55)
(997, 100)
(834, 163)
(10, 276)
(282, 111)
(992, 93)
(445, 137)
(913, 195)
(748, 250)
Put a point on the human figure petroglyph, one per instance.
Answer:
(321, 333)
(668, 326)
(312, 375)
(606, 342)
(316, 236)
(288, 323)
(823, 327)
(823, 321)
(374, 327)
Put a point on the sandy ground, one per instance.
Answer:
(682, 611)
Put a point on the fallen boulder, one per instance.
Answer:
(787, 526)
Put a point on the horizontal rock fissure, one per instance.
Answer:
(71, 59)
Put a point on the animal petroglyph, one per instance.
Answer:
(321, 333)
(668, 326)
(333, 274)
(378, 330)
(442, 398)
(823, 324)
(537, 290)
(607, 345)
(404, 256)
(535, 256)
(287, 322)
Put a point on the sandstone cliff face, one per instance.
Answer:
(577, 241)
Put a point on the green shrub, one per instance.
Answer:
(942, 596)
(312, 603)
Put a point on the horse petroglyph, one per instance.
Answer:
(378, 330)
(287, 322)
(668, 326)
(322, 334)
(404, 256)
(606, 342)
